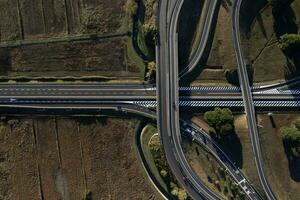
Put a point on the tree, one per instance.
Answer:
(290, 43)
(150, 34)
(278, 5)
(151, 69)
(297, 124)
(226, 129)
(212, 117)
(131, 7)
(232, 76)
(221, 120)
(87, 195)
(226, 116)
(291, 135)
(182, 195)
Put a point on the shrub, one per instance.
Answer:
(131, 7)
(290, 43)
(221, 120)
(150, 34)
(291, 135)
(151, 69)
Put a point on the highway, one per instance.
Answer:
(248, 101)
(168, 97)
(163, 119)
(135, 92)
(163, 116)
(168, 102)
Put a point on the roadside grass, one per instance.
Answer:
(260, 46)
(160, 161)
(132, 55)
(220, 56)
(212, 75)
(64, 79)
(263, 51)
(248, 165)
(149, 131)
(276, 161)
(145, 15)
(210, 83)
(142, 43)
(210, 171)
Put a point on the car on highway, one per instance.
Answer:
(12, 100)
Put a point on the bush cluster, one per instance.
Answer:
(291, 135)
(290, 43)
(221, 120)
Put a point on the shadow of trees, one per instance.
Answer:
(284, 20)
(293, 155)
(232, 146)
(200, 67)
(188, 23)
(233, 78)
(226, 4)
(5, 61)
(248, 14)
(261, 25)
(92, 120)
(292, 67)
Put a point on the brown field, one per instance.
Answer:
(104, 57)
(201, 165)
(248, 164)
(221, 56)
(261, 44)
(33, 22)
(59, 158)
(262, 50)
(21, 19)
(285, 186)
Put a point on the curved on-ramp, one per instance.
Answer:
(202, 41)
